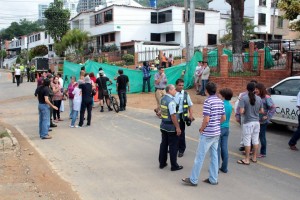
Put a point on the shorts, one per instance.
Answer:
(251, 132)
(101, 95)
(197, 79)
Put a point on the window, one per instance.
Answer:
(155, 37)
(170, 37)
(261, 19)
(35, 38)
(112, 37)
(153, 17)
(73, 6)
(108, 38)
(279, 22)
(274, 3)
(165, 16)
(211, 39)
(108, 16)
(199, 17)
(50, 47)
(262, 2)
(98, 19)
(39, 36)
(45, 35)
(288, 88)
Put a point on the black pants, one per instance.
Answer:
(181, 142)
(32, 76)
(86, 105)
(296, 135)
(146, 80)
(123, 99)
(168, 140)
(13, 77)
(18, 79)
(28, 76)
(56, 113)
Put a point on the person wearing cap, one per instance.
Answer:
(102, 90)
(87, 101)
(122, 83)
(204, 77)
(185, 114)
(160, 85)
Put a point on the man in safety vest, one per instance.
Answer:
(22, 68)
(32, 73)
(170, 130)
(12, 70)
(184, 102)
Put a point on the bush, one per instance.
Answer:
(109, 48)
(128, 58)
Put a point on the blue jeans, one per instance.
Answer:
(262, 138)
(205, 144)
(148, 84)
(203, 85)
(44, 119)
(296, 135)
(71, 108)
(122, 98)
(223, 149)
(74, 117)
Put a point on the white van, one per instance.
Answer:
(284, 95)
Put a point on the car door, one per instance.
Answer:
(284, 96)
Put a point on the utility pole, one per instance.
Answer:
(274, 12)
(27, 38)
(187, 44)
(191, 28)
(1, 63)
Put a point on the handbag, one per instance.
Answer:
(94, 92)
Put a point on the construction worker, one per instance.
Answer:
(12, 69)
(32, 73)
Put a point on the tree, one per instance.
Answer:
(23, 27)
(292, 10)
(40, 50)
(2, 54)
(57, 19)
(248, 31)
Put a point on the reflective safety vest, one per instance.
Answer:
(185, 106)
(32, 68)
(166, 121)
(22, 68)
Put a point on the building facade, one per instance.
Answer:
(120, 24)
(71, 5)
(266, 17)
(42, 8)
(84, 5)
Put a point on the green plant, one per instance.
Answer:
(128, 58)
(109, 48)
(40, 50)
(4, 134)
(18, 59)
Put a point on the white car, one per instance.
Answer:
(284, 95)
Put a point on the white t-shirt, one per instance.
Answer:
(77, 99)
(17, 72)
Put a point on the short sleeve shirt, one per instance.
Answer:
(42, 92)
(163, 82)
(122, 81)
(214, 108)
(101, 82)
(172, 105)
(251, 113)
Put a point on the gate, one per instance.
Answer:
(295, 69)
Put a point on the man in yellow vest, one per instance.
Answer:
(32, 73)
(12, 70)
(22, 68)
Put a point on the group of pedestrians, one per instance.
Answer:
(201, 77)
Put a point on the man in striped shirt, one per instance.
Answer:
(213, 116)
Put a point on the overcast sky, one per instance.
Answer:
(14, 10)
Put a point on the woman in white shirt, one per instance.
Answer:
(76, 104)
(18, 75)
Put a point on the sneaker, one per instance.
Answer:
(110, 109)
(294, 148)
(187, 181)
(47, 137)
(76, 126)
(261, 156)
(101, 110)
(71, 126)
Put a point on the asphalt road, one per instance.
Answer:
(117, 156)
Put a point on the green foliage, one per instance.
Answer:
(23, 27)
(292, 10)
(4, 134)
(109, 48)
(248, 31)
(75, 40)
(128, 58)
(40, 50)
(57, 20)
(18, 59)
(3, 54)
(23, 56)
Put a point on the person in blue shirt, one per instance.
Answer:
(226, 95)
(146, 75)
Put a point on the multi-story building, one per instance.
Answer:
(85, 5)
(42, 8)
(71, 5)
(123, 25)
(266, 17)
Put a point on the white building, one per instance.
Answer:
(261, 11)
(71, 5)
(42, 8)
(124, 24)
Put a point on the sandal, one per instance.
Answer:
(254, 161)
(242, 162)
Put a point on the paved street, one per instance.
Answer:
(117, 156)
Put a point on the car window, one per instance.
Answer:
(288, 88)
